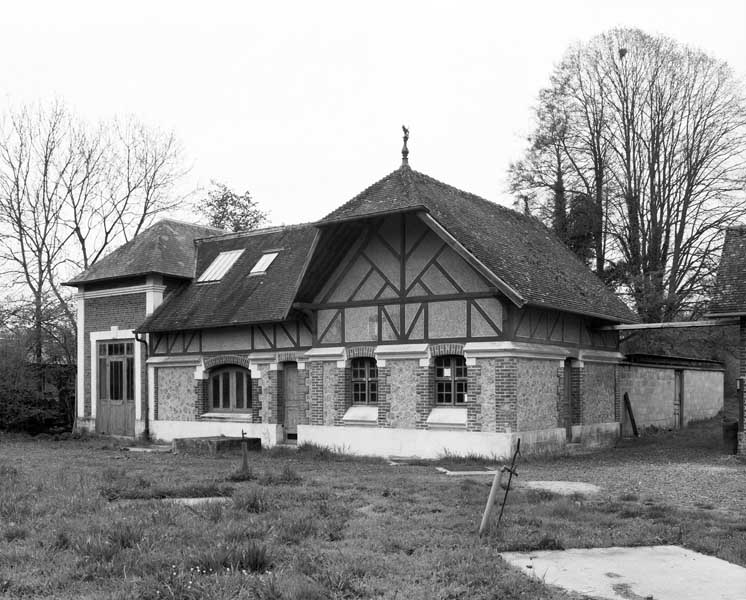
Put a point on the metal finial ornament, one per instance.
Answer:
(405, 150)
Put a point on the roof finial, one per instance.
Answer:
(405, 150)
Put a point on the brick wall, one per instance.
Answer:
(536, 394)
(126, 312)
(473, 394)
(425, 382)
(315, 392)
(384, 395)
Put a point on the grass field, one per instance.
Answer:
(84, 519)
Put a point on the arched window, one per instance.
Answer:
(450, 379)
(364, 381)
(229, 389)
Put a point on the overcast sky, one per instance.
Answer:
(302, 103)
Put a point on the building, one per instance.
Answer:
(415, 319)
(729, 301)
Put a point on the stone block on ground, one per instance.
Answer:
(215, 446)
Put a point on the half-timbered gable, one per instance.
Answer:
(401, 282)
(412, 320)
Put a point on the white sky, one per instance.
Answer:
(302, 103)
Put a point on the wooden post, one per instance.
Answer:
(490, 502)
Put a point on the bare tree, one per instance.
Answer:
(656, 137)
(70, 192)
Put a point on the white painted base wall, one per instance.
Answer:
(375, 441)
(168, 430)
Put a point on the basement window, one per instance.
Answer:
(220, 266)
(263, 263)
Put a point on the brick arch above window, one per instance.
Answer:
(227, 359)
(446, 349)
(287, 357)
(361, 352)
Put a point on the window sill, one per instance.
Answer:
(227, 416)
(447, 418)
(361, 414)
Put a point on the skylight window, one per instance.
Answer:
(263, 263)
(220, 266)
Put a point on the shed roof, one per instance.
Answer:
(167, 247)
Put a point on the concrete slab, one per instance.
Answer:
(197, 501)
(644, 573)
(564, 488)
(155, 448)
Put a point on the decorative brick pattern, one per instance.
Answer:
(287, 357)
(361, 352)
(446, 349)
(506, 417)
(227, 359)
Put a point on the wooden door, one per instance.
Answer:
(115, 408)
(678, 407)
(292, 401)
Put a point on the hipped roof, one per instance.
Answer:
(166, 248)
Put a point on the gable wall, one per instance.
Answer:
(401, 283)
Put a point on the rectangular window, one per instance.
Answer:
(229, 388)
(450, 380)
(220, 266)
(263, 263)
(116, 371)
(364, 381)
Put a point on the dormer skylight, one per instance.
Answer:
(220, 266)
(263, 263)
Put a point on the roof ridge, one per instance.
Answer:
(182, 222)
(255, 232)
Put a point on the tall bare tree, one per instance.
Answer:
(69, 192)
(656, 138)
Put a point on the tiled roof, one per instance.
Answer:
(167, 247)
(729, 297)
(240, 298)
(516, 248)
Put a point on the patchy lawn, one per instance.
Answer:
(82, 519)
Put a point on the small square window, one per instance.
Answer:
(263, 263)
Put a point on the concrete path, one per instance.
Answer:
(644, 573)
